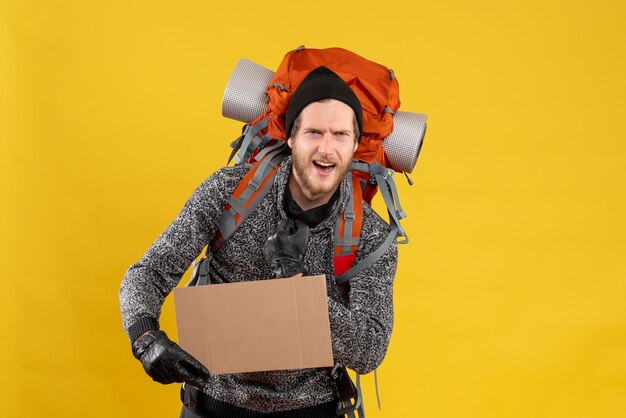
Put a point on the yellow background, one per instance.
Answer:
(509, 299)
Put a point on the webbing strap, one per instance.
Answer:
(347, 243)
(349, 414)
(394, 194)
(370, 259)
(265, 166)
(384, 179)
(390, 197)
(358, 402)
(344, 238)
(243, 206)
(349, 397)
(348, 219)
(265, 139)
(359, 405)
(272, 159)
(236, 144)
(228, 225)
(376, 386)
(346, 404)
(200, 273)
(360, 166)
(235, 204)
(250, 141)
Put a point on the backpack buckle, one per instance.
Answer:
(253, 184)
(348, 395)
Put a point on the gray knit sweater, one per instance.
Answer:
(360, 325)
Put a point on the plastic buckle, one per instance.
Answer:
(346, 391)
(378, 170)
(402, 234)
(281, 86)
(253, 184)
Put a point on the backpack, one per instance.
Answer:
(263, 143)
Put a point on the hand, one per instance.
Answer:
(285, 249)
(165, 362)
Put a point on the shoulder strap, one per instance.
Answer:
(248, 193)
(348, 229)
(251, 189)
(251, 139)
(384, 179)
(258, 181)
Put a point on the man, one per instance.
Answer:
(324, 119)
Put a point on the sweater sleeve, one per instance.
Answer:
(148, 281)
(361, 331)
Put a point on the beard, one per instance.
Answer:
(311, 185)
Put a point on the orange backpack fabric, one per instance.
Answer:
(375, 85)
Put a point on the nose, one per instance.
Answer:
(325, 146)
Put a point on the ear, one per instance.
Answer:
(290, 143)
(356, 145)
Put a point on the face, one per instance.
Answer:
(321, 151)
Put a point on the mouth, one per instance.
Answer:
(324, 167)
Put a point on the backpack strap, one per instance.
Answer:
(350, 397)
(251, 189)
(348, 229)
(200, 273)
(389, 192)
(250, 140)
(258, 181)
(384, 179)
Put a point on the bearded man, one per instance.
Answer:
(310, 191)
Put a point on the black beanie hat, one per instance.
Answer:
(320, 84)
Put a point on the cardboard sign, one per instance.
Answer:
(253, 326)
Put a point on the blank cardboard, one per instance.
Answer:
(275, 324)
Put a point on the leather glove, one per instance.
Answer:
(284, 250)
(165, 362)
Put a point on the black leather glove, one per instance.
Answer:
(165, 362)
(285, 249)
